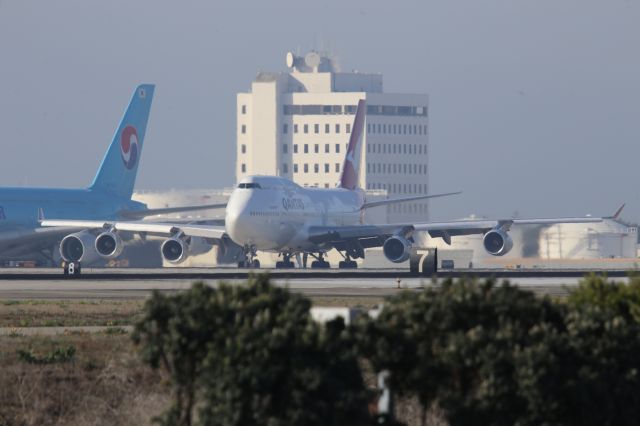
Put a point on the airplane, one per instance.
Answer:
(107, 198)
(274, 214)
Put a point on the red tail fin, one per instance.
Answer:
(351, 166)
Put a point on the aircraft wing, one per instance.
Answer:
(139, 214)
(141, 227)
(405, 199)
(374, 235)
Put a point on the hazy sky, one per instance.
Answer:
(534, 105)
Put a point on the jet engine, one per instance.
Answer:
(397, 249)
(109, 245)
(497, 242)
(79, 247)
(176, 250)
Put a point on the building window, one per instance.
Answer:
(316, 128)
(295, 128)
(295, 168)
(337, 167)
(244, 129)
(316, 148)
(337, 128)
(243, 148)
(243, 168)
(316, 168)
(326, 148)
(306, 168)
(337, 148)
(326, 185)
(244, 109)
(285, 168)
(295, 149)
(326, 128)
(379, 128)
(394, 149)
(285, 148)
(306, 148)
(368, 131)
(285, 128)
(306, 128)
(326, 167)
(348, 128)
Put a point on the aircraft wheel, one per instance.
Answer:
(280, 264)
(320, 264)
(290, 265)
(255, 264)
(348, 264)
(242, 264)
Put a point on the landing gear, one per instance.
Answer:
(348, 264)
(320, 263)
(286, 262)
(249, 259)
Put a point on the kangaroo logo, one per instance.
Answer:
(129, 147)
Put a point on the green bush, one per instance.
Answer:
(457, 346)
(251, 354)
(58, 355)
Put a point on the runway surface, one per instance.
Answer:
(135, 284)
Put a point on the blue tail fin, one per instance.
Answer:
(117, 173)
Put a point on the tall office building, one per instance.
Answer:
(296, 124)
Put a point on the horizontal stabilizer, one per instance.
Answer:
(404, 200)
(138, 214)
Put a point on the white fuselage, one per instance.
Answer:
(275, 214)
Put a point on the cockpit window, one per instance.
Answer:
(249, 185)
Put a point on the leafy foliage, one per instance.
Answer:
(458, 346)
(57, 355)
(251, 354)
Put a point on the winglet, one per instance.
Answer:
(616, 215)
(40, 214)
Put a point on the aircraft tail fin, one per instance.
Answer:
(351, 167)
(117, 173)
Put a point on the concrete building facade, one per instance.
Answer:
(297, 124)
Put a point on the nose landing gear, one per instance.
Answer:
(249, 258)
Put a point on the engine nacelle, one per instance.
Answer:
(109, 245)
(497, 242)
(79, 247)
(397, 249)
(174, 250)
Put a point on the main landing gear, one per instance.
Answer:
(319, 263)
(249, 259)
(286, 262)
(347, 263)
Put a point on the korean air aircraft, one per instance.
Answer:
(274, 214)
(107, 198)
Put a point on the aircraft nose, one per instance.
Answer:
(236, 220)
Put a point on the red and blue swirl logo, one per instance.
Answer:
(129, 147)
